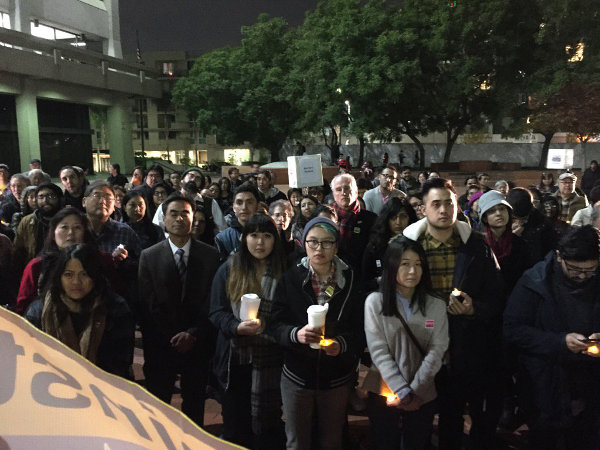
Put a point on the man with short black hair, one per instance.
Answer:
(152, 176)
(116, 178)
(378, 196)
(408, 183)
(234, 176)
(552, 320)
(460, 259)
(590, 177)
(73, 180)
(175, 278)
(245, 204)
(33, 228)
(265, 187)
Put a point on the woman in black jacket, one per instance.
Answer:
(316, 382)
(394, 217)
(80, 310)
(247, 363)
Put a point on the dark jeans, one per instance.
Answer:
(393, 429)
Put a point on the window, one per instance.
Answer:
(47, 32)
(4, 21)
(168, 68)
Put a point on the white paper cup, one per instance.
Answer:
(249, 307)
(316, 319)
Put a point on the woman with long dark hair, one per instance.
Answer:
(203, 227)
(394, 217)
(407, 335)
(247, 362)
(547, 184)
(307, 208)
(135, 214)
(80, 310)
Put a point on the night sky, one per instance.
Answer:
(198, 26)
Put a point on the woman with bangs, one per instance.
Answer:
(407, 335)
(248, 362)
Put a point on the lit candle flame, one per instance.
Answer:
(593, 350)
(390, 398)
(455, 292)
(256, 321)
(325, 342)
(386, 392)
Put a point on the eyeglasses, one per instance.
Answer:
(388, 176)
(98, 196)
(46, 196)
(313, 244)
(159, 193)
(575, 271)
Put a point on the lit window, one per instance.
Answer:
(168, 68)
(4, 21)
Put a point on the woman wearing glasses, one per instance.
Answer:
(316, 382)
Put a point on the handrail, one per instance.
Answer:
(58, 50)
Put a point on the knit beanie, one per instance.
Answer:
(325, 223)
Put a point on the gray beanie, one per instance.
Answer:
(489, 200)
(330, 225)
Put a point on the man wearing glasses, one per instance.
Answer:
(552, 319)
(115, 238)
(32, 229)
(377, 197)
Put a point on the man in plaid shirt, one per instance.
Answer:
(459, 258)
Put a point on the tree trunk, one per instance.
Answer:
(333, 144)
(361, 150)
(545, 147)
(421, 148)
(274, 154)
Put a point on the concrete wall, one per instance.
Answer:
(527, 155)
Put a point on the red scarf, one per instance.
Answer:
(347, 220)
(501, 247)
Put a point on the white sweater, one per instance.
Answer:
(395, 357)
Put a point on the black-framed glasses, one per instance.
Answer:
(313, 244)
(99, 196)
(575, 271)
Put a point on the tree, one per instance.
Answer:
(238, 92)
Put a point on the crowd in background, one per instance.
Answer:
(487, 303)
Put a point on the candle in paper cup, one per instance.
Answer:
(593, 350)
(249, 307)
(455, 292)
(386, 392)
(316, 319)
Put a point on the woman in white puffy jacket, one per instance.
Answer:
(401, 387)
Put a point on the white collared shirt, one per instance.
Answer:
(186, 249)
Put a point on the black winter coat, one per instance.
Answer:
(535, 324)
(307, 367)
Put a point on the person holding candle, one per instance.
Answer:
(406, 367)
(247, 363)
(551, 313)
(316, 383)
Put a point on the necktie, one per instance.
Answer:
(181, 268)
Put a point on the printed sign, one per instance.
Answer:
(52, 398)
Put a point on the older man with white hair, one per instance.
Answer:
(355, 224)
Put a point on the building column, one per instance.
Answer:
(18, 11)
(27, 127)
(119, 136)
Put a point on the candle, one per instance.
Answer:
(386, 392)
(593, 350)
(325, 342)
(390, 398)
(455, 292)
(249, 307)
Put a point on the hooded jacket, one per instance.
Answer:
(476, 273)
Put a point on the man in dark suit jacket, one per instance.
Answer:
(175, 278)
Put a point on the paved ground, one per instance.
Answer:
(359, 423)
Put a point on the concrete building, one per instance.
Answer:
(65, 90)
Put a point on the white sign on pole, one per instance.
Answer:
(305, 171)
(560, 158)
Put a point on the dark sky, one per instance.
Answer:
(198, 25)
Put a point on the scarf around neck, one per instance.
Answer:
(347, 220)
(501, 247)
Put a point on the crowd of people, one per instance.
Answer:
(486, 304)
